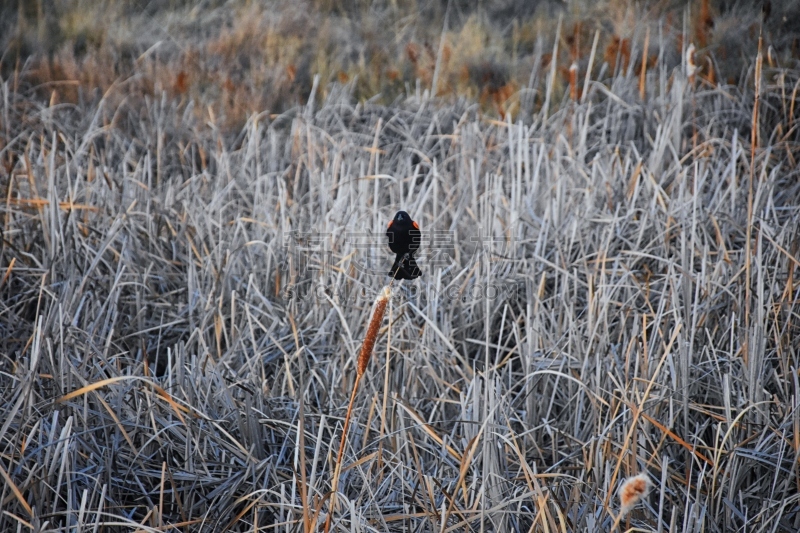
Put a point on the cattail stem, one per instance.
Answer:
(363, 361)
(338, 470)
(748, 246)
(643, 72)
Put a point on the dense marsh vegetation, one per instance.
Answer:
(188, 269)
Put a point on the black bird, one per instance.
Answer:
(404, 238)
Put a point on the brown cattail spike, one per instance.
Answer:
(632, 491)
(373, 329)
(573, 81)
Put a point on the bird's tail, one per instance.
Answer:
(405, 267)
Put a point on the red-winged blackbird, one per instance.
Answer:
(404, 238)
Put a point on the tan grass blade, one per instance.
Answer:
(16, 491)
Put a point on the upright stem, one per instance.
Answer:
(361, 366)
(337, 472)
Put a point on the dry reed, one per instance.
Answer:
(617, 289)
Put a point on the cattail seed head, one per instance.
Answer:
(573, 81)
(691, 66)
(373, 329)
(632, 491)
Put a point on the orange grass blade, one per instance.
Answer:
(429, 430)
(8, 271)
(664, 429)
(94, 386)
(16, 491)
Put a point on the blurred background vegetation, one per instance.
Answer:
(231, 58)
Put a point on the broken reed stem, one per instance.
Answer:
(363, 361)
(750, 192)
(643, 72)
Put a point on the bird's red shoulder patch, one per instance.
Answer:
(416, 226)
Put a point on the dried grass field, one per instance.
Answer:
(610, 287)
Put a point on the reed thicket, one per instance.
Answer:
(614, 291)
